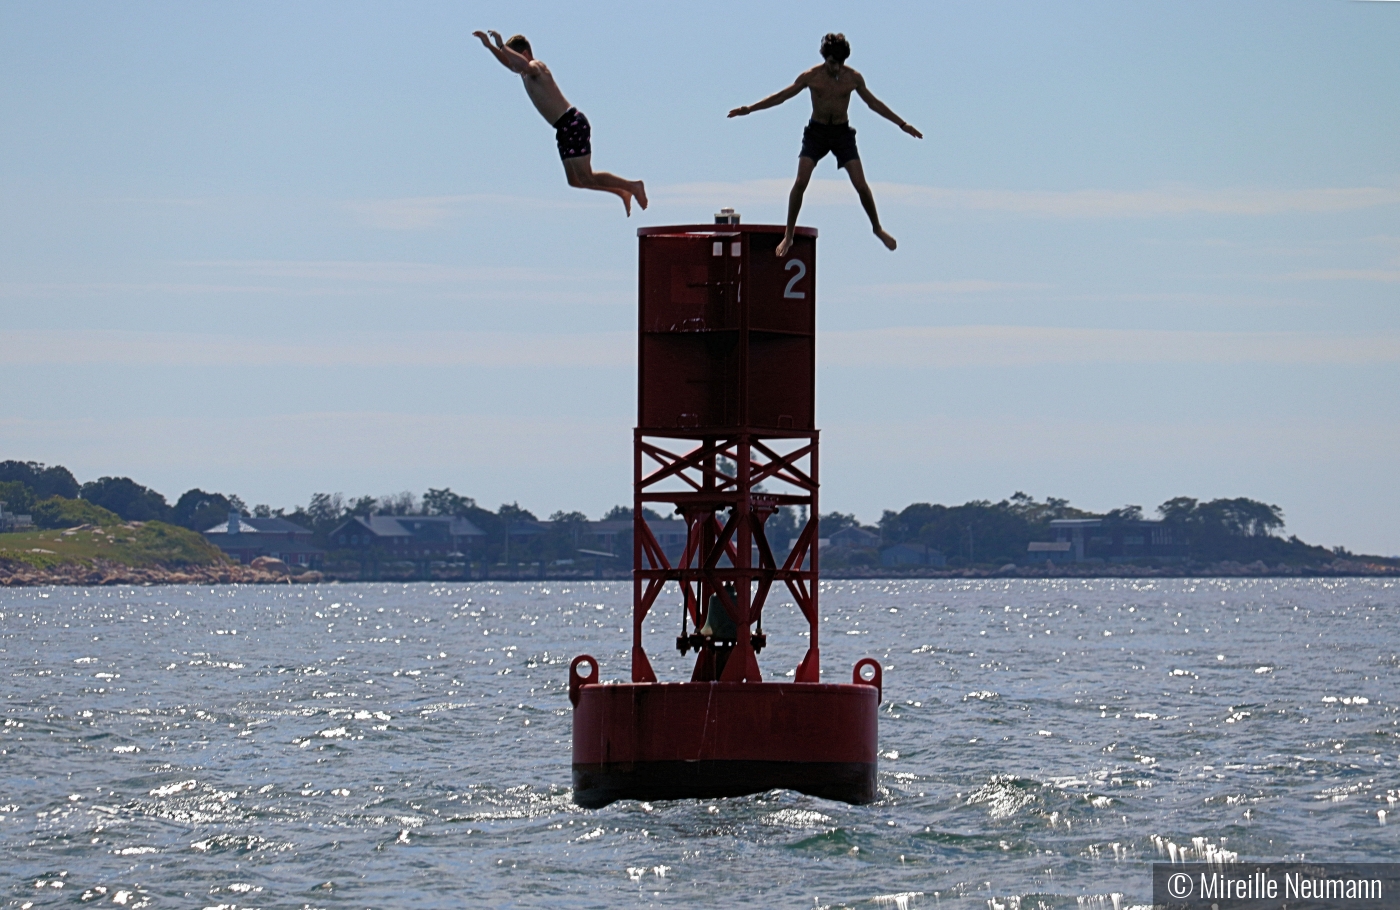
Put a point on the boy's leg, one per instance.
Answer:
(581, 174)
(805, 166)
(867, 199)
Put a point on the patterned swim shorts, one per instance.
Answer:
(573, 134)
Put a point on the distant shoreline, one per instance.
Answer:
(117, 575)
(1339, 568)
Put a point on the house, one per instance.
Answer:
(9, 521)
(609, 536)
(1080, 539)
(411, 536)
(1049, 551)
(245, 539)
(912, 554)
(855, 538)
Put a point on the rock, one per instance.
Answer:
(269, 564)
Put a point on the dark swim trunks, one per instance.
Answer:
(837, 138)
(573, 133)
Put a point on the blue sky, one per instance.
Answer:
(1146, 250)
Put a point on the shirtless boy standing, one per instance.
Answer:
(831, 84)
(571, 129)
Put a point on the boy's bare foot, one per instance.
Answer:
(784, 246)
(640, 191)
(626, 201)
(886, 239)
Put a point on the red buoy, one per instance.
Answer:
(726, 403)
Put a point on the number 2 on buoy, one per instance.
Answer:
(801, 273)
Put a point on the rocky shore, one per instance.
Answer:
(261, 572)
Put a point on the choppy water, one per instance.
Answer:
(408, 745)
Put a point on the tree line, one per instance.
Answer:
(982, 532)
(975, 533)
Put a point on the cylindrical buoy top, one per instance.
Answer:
(727, 327)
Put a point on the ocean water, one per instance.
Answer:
(375, 745)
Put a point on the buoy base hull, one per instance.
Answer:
(597, 785)
(701, 740)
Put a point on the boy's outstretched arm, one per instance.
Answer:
(879, 107)
(774, 99)
(509, 58)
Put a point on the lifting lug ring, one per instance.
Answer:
(875, 676)
(577, 681)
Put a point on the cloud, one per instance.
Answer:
(1382, 275)
(1147, 203)
(423, 213)
(390, 272)
(46, 290)
(935, 288)
(749, 192)
(422, 349)
(544, 462)
(947, 347)
(412, 214)
(348, 278)
(917, 347)
(1122, 440)
(370, 272)
(1090, 203)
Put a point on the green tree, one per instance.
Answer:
(404, 503)
(1240, 517)
(624, 513)
(1180, 510)
(43, 480)
(18, 497)
(446, 502)
(364, 506)
(979, 531)
(1039, 514)
(325, 508)
(200, 511)
(832, 522)
(562, 536)
(785, 524)
(903, 526)
(511, 511)
(1244, 517)
(1238, 529)
(127, 498)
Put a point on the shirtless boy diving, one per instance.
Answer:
(831, 84)
(571, 129)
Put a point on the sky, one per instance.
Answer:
(1146, 250)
